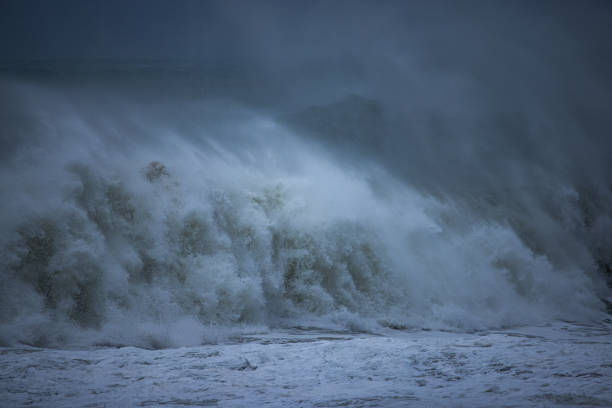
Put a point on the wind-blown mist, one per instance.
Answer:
(369, 181)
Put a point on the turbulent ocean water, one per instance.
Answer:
(173, 221)
(286, 271)
(420, 217)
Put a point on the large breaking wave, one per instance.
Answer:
(120, 227)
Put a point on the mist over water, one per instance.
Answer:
(356, 167)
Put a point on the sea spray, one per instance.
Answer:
(119, 229)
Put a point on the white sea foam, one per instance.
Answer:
(118, 228)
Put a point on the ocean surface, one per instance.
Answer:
(560, 364)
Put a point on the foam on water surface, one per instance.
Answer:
(540, 366)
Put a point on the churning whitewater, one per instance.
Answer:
(122, 228)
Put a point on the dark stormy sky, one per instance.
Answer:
(494, 90)
(291, 29)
